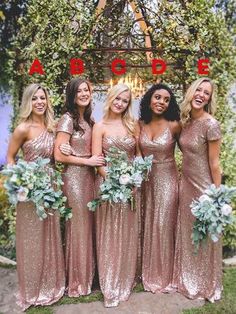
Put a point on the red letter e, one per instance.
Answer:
(202, 65)
(36, 67)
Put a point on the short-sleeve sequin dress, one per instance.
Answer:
(39, 254)
(117, 236)
(196, 276)
(159, 199)
(79, 189)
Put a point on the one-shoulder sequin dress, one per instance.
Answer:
(79, 189)
(159, 199)
(196, 276)
(39, 254)
(117, 236)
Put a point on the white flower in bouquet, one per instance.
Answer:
(212, 212)
(22, 194)
(137, 179)
(125, 179)
(36, 181)
(226, 209)
(122, 176)
(205, 198)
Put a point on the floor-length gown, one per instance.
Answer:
(159, 199)
(117, 236)
(196, 276)
(79, 189)
(39, 254)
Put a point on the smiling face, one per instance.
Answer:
(120, 103)
(39, 102)
(160, 101)
(202, 96)
(83, 95)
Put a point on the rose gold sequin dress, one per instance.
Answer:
(39, 254)
(117, 239)
(159, 199)
(196, 276)
(79, 189)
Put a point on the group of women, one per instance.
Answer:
(151, 243)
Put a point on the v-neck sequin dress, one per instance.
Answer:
(39, 254)
(79, 189)
(117, 236)
(196, 276)
(159, 199)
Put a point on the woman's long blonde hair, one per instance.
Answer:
(127, 115)
(185, 108)
(26, 106)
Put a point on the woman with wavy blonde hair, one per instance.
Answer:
(26, 106)
(116, 224)
(210, 107)
(198, 275)
(39, 254)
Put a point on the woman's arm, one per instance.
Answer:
(137, 135)
(63, 138)
(214, 161)
(175, 129)
(18, 138)
(97, 136)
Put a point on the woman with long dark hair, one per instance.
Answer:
(75, 128)
(159, 132)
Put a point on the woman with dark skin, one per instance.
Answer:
(159, 132)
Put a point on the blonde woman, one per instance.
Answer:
(40, 262)
(198, 276)
(116, 225)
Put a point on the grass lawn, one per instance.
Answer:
(227, 305)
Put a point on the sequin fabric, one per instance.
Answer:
(196, 276)
(117, 235)
(39, 254)
(159, 203)
(79, 189)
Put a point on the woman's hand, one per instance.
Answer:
(66, 149)
(96, 160)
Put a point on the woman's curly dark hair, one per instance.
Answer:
(171, 114)
(71, 106)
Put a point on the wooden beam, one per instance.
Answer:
(139, 17)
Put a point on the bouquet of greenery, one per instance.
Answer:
(37, 182)
(122, 176)
(213, 212)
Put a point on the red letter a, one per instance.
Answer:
(36, 67)
(76, 66)
(160, 62)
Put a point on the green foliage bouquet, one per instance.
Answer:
(122, 176)
(213, 212)
(37, 182)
